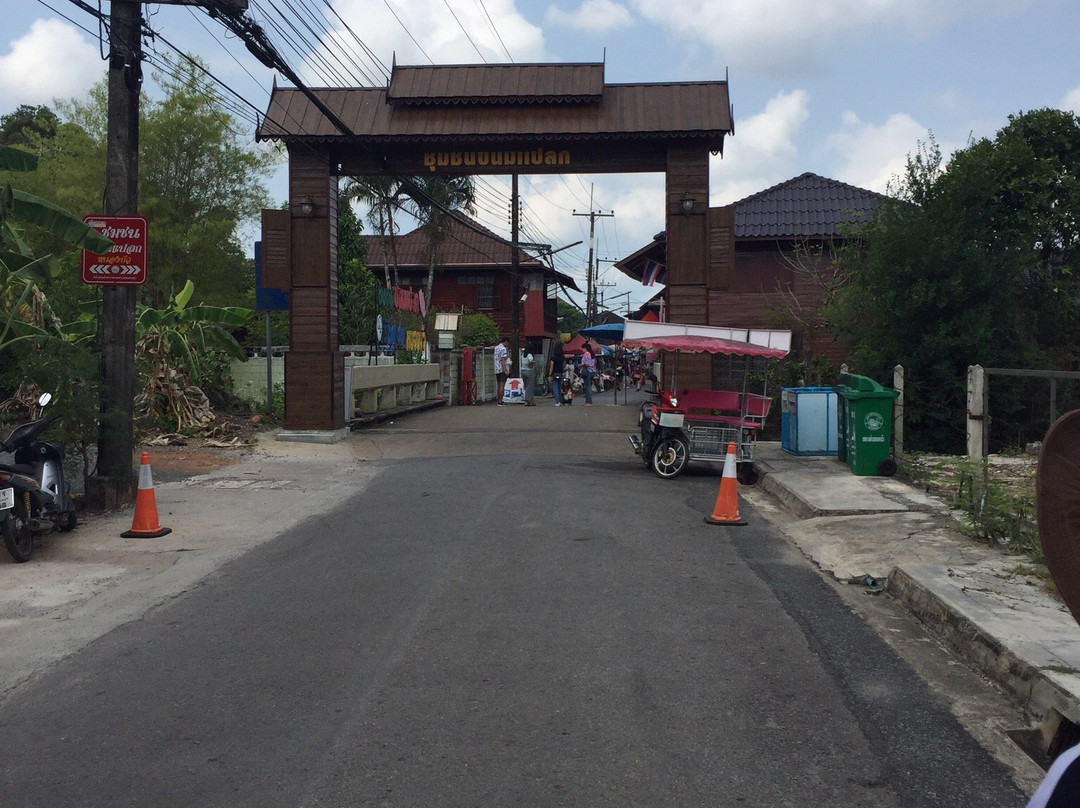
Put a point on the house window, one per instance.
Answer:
(485, 295)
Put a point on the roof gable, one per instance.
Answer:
(496, 84)
(451, 103)
(471, 245)
(807, 206)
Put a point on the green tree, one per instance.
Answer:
(383, 196)
(22, 307)
(478, 330)
(443, 195)
(571, 319)
(200, 179)
(178, 349)
(969, 263)
(37, 350)
(71, 174)
(356, 284)
(18, 127)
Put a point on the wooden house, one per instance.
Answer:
(474, 273)
(784, 244)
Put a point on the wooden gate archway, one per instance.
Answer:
(483, 119)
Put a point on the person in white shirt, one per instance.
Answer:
(502, 367)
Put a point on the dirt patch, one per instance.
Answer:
(174, 457)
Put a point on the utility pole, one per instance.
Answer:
(515, 278)
(112, 485)
(590, 295)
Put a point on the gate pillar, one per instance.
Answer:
(314, 365)
(687, 206)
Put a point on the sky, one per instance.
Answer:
(846, 89)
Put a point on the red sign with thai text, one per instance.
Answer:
(125, 263)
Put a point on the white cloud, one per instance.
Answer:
(1071, 101)
(873, 155)
(394, 28)
(595, 16)
(763, 150)
(51, 60)
(777, 35)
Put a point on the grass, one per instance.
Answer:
(996, 497)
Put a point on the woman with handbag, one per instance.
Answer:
(588, 371)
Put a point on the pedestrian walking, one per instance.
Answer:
(555, 372)
(588, 371)
(502, 368)
(528, 376)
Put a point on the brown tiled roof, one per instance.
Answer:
(686, 110)
(462, 248)
(496, 84)
(807, 206)
(633, 265)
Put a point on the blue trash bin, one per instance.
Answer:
(808, 420)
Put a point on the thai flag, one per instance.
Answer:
(652, 272)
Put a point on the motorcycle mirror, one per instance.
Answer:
(44, 399)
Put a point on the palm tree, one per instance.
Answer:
(382, 196)
(443, 195)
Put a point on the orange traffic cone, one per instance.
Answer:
(726, 509)
(145, 523)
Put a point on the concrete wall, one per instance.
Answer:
(249, 378)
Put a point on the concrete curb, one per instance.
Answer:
(1033, 662)
(789, 498)
(1029, 684)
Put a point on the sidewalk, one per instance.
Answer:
(974, 597)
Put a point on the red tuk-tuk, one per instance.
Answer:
(686, 424)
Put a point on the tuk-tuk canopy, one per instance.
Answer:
(769, 343)
(699, 344)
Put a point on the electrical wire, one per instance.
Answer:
(383, 69)
(494, 30)
(101, 17)
(405, 28)
(465, 31)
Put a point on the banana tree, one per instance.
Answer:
(174, 348)
(21, 273)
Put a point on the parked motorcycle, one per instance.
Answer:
(34, 497)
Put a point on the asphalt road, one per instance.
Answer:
(508, 614)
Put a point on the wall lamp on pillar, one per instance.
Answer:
(687, 204)
(307, 207)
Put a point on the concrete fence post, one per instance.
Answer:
(898, 412)
(976, 412)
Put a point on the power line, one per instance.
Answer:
(371, 54)
(494, 30)
(462, 27)
(408, 32)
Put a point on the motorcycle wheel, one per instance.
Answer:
(670, 456)
(746, 474)
(67, 521)
(17, 536)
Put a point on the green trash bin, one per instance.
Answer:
(865, 430)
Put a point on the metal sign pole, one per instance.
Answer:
(269, 368)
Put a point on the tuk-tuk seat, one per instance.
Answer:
(709, 405)
(756, 408)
